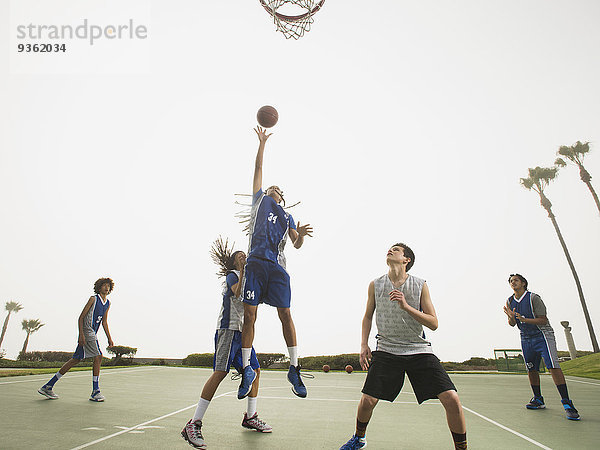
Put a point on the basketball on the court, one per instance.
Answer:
(349, 368)
(267, 116)
(326, 368)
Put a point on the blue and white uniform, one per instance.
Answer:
(265, 277)
(228, 337)
(537, 341)
(91, 324)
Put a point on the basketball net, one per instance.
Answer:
(292, 26)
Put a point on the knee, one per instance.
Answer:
(284, 315)
(450, 401)
(368, 402)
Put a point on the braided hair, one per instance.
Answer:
(223, 256)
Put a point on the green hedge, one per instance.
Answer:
(335, 362)
(206, 359)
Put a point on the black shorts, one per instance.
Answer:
(425, 372)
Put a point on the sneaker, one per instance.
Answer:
(96, 397)
(48, 392)
(572, 413)
(254, 423)
(248, 377)
(536, 403)
(294, 377)
(354, 443)
(192, 433)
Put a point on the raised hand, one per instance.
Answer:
(304, 230)
(509, 312)
(398, 296)
(262, 134)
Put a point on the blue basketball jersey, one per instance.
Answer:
(524, 306)
(93, 318)
(269, 225)
(231, 316)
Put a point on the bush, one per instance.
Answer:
(198, 359)
(45, 356)
(267, 359)
(2, 353)
(336, 362)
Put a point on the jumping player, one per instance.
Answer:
(228, 339)
(527, 310)
(402, 306)
(94, 313)
(266, 280)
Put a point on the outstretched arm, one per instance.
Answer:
(427, 314)
(105, 326)
(367, 322)
(262, 137)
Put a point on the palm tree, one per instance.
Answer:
(575, 153)
(30, 326)
(538, 180)
(11, 307)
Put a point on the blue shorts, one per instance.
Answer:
(228, 351)
(266, 282)
(536, 348)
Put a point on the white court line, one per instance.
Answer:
(516, 433)
(86, 374)
(126, 430)
(570, 380)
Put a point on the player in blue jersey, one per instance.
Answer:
(95, 312)
(527, 311)
(228, 340)
(265, 278)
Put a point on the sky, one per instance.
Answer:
(399, 120)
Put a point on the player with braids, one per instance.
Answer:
(228, 340)
(95, 312)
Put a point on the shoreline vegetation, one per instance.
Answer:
(587, 365)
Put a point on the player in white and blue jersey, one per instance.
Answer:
(95, 312)
(265, 278)
(527, 311)
(228, 340)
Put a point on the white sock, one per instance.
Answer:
(201, 409)
(293, 351)
(251, 406)
(58, 375)
(246, 352)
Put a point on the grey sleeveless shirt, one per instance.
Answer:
(398, 332)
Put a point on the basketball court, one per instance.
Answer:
(147, 407)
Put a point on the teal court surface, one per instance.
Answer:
(146, 407)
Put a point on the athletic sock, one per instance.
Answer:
(201, 409)
(537, 390)
(54, 379)
(246, 352)
(293, 351)
(361, 428)
(95, 383)
(251, 406)
(562, 390)
(460, 440)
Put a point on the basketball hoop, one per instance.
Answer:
(292, 26)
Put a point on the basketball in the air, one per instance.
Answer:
(326, 368)
(349, 368)
(267, 116)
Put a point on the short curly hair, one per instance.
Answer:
(100, 281)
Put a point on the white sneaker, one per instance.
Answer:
(192, 433)
(48, 392)
(96, 397)
(254, 423)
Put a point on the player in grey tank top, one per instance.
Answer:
(402, 306)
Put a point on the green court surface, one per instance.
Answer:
(147, 407)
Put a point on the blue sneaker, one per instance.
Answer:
(354, 443)
(572, 413)
(294, 377)
(536, 403)
(248, 377)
